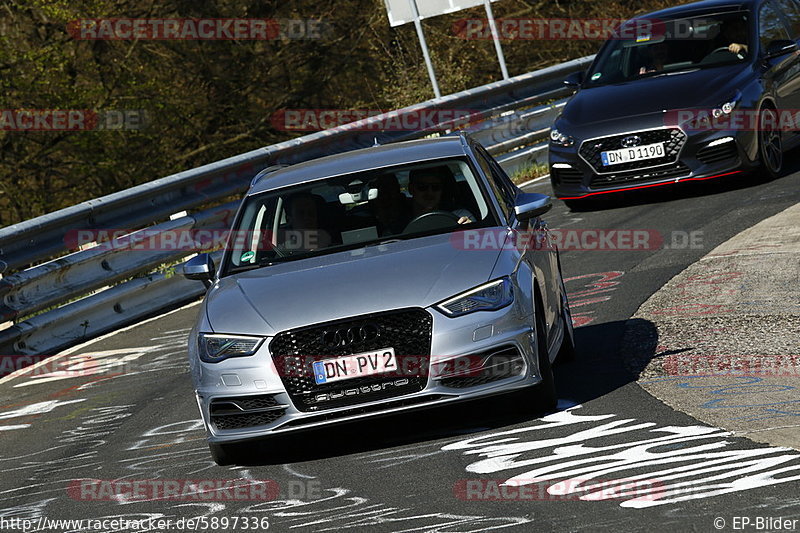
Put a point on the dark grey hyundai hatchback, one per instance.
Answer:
(700, 91)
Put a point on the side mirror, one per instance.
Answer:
(574, 80)
(530, 205)
(200, 268)
(780, 47)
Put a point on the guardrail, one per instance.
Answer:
(511, 119)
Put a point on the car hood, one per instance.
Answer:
(608, 107)
(414, 273)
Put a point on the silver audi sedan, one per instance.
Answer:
(396, 277)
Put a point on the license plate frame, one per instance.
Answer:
(358, 365)
(629, 155)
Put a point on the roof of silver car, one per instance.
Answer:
(361, 160)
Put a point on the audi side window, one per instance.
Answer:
(484, 161)
(508, 185)
(770, 26)
(508, 194)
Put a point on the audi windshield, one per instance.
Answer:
(357, 210)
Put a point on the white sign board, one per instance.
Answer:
(400, 10)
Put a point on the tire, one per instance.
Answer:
(541, 397)
(770, 144)
(544, 394)
(574, 205)
(566, 352)
(222, 454)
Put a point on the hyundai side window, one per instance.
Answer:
(770, 27)
(791, 9)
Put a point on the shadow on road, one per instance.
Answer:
(597, 370)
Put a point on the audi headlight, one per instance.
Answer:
(215, 348)
(559, 139)
(488, 297)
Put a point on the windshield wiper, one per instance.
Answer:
(242, 268)
(682, 71)
(264, 262)
(390, 240)
(296, 256)
(667, 72)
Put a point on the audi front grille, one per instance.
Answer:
(407, 331)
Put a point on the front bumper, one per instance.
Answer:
(250, 391)
(702, 155)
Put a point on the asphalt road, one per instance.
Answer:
(134, 418)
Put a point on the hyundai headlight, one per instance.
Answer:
(488, 297)
(727, 107)
(215, 348)
(559, 139)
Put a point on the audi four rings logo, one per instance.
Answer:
(630, 141)
(342, 337)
